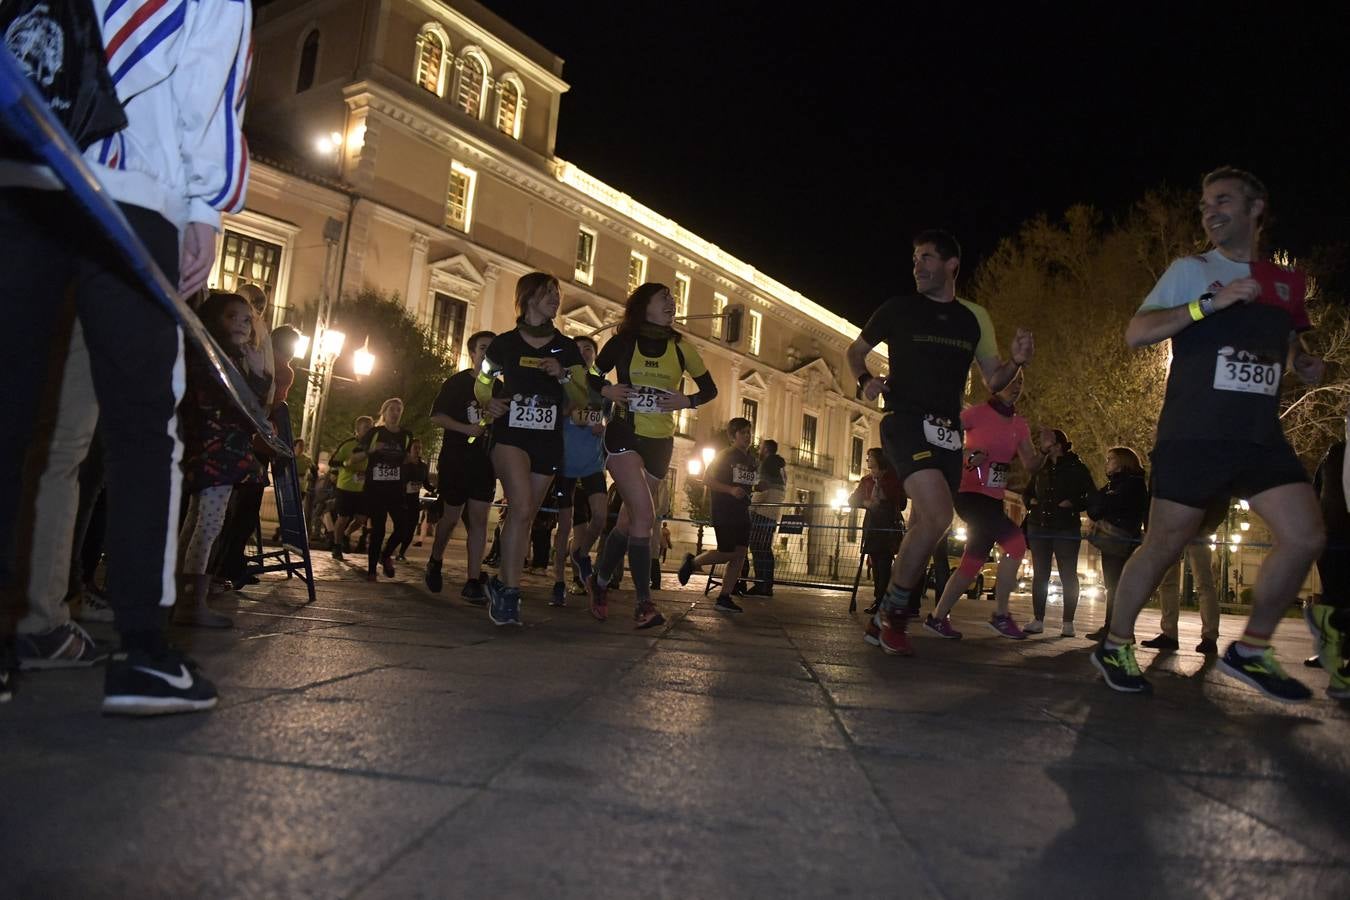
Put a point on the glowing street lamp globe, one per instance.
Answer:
(330, 345)
(695, 467)
(363, 361)
(301, 347)
(708, 454)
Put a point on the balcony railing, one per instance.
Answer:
(809, 459)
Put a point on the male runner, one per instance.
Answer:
(349, 508)
(932, 337)
(464, 471)
(1233, 319)
(730, 477)
(579, 489)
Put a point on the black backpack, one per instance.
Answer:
(59, 46)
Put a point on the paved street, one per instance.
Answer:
(387, 743)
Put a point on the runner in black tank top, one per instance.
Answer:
(383, 451)
(541, 371)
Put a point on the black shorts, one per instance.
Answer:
(986, 522)
(348, 503)
(655, 452)
(464, 475)
(1200, 474)
(732, 528)
(544, 448)
(572, 492)
(903, 440)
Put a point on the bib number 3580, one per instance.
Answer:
(1246, 377)
(535, 418)
(940, 434)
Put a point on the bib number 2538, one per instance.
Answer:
(535, 418)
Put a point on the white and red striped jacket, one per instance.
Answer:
(181, 69)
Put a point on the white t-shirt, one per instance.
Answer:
(1189, 277)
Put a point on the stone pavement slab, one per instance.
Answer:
(385, 742)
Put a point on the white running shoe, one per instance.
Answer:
(1066, 631)
(1035, 626)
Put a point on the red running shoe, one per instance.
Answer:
(599, 598)
(647, 616)
(893, 638)
(873, 633)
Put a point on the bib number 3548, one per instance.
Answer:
(535, 418)
(940, 434)
(1246, 377)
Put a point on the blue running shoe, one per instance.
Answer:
(582, 562)
(498, 610)
(511, 597)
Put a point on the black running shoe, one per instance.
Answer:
(1263, 673)
(473, 592)
(727, 605)
(1207, 647)
(1161, 642)
(686, 569)
(138, 683)
(433, 576)
(1119, 669)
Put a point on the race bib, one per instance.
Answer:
(941, 433)
(647, 400)
(535, 418)
(1246, 376)
(381, 472)
(997, 476)
(744, 474)
(590, 417)
(475, 414)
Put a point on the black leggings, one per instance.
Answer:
(1064, 549)
(380, 503)
(412, 515)
(1112, 565)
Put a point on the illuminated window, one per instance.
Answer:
(448, 315)
(472, 80)
(510, 106)
(750, 410)
(459, 197)
(719, 307)
(432, 50)
(309, 62)
(585, 271)
(756, 328)
(248, 260)
(809, 433)
(637, 270)
(681, 295)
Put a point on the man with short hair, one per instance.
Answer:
(768, 497)
(729, 478)
(933, 337)
(1234, 321)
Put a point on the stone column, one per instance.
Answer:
(416, 299)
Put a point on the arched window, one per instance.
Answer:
(433, 47)
(510, 106)
(473, 74)
(309, 61)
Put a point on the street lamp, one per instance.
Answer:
(301, 347)
(841, 508)
(695, 467)
(708, 454)
(363, 361)
(325, 349)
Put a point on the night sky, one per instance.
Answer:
(813, 144)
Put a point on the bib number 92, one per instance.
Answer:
(534, 418)
(941, 433)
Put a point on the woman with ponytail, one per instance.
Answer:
(651, 362)
(541, 372)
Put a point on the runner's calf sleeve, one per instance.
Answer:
(611, 556)
(640, 560)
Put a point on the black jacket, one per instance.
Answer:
(1122, 501)
(1067, 479)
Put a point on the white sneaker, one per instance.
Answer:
(1067, 630)
(1035, 626)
